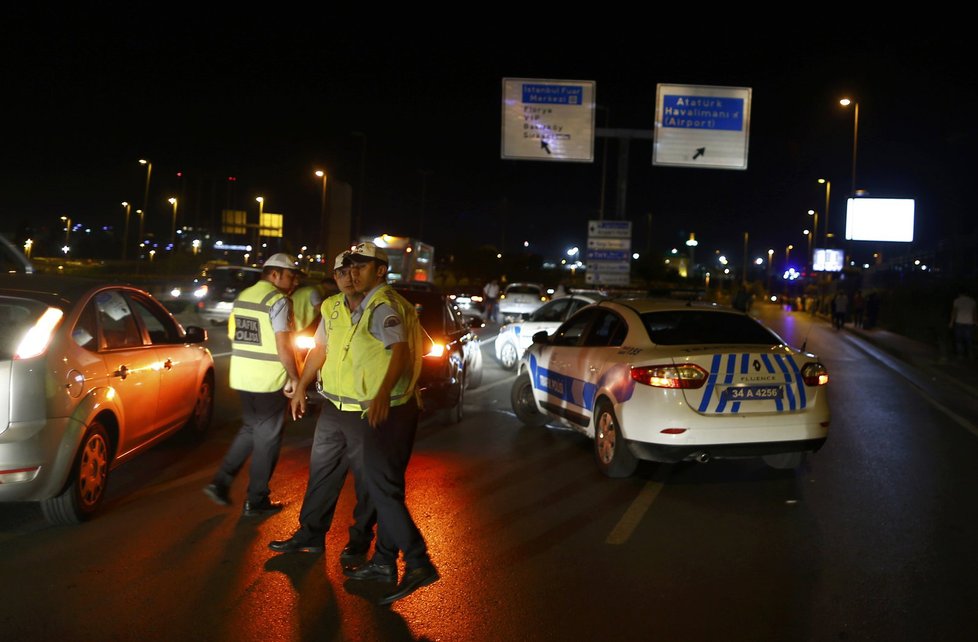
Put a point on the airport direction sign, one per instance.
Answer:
(608, 252)
(609, 244)
(550, 120)
(702, 126)
(608, 255)
(609, 229)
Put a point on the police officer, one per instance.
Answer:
(331, 453)
(380, 360)
(306, 302)
(262, 368)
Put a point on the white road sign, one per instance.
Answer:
(548, 120)
(702, 126)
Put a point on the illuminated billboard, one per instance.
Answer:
(879, 219)
(828, 260)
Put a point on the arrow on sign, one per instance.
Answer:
(545, 146)
(699, 152)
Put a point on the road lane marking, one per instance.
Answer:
(630, 520)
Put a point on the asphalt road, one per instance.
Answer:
(873, 539)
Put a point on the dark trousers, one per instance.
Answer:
(336, 447)
(385, 455)
(260, 437)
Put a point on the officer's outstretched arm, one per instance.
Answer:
(380, 405)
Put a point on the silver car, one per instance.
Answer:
(521, 298)
(92, 374)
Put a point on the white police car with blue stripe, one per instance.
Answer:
(669, 381)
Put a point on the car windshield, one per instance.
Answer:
(430, 309)
(701, 327)
(17, 316)
(230, 276)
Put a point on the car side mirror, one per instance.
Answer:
(195, 334)
(541, 337)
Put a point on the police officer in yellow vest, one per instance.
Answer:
(306, 302)
(372, 379)
(263, 371)
(331, 453)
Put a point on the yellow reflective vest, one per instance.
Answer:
(356, 362)
(302, 307)
(255, 364)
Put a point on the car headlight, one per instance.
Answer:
(201, 292)
(175, 293)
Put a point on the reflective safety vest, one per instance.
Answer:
(356, 362)
(255, 365)
(302, 307)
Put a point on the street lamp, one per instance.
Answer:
(261, 212)
(691, 244)
(149, 172)
(125, 230)
(787, 256)
(322, 212)
(173, 228)
(67, 220)
(845, 102)
(828, 190)
(813, 236)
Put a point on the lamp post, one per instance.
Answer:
(323, 228)
(691, 244)
(828, 190)
(125, 229)
(173, 227)
(363, 182)
(813, 236)
(770, 260)
(149, 172)
(845, 102)
(787, 256)
(261, 212)
(67, 220)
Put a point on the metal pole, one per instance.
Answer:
(855, 140)
(149, 171)
(745, 257)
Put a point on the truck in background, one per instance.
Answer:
(411, 260)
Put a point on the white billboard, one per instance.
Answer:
(879, 219)
(828, 260)
(549, 120)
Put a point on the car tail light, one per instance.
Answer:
(814, 374)
(437, 350)
(37, 339)
(687, 375)
(477, 298)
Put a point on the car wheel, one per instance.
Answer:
(509, 356)
(525, 407)
(203, 413)
(86, 485)
(610, 450)
(784, 461)
(454, 414)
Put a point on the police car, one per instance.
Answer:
(668, 381)
(514, 338)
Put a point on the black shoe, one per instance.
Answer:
(411, 582)
(296, 544)
(373, 572)
(218, 494)
(354, 554)
(264, 507)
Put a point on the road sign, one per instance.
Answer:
(608, 252)
(549, 120)
(702, 126)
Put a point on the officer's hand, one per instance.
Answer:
(290, 387)
(298, 405)
(379, 409)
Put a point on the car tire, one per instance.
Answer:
(784, 461)
(203, 413)
(509, 356)
(611, 453)
(87, 482)
(525, 407)
(456, 412)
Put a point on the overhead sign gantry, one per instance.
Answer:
(551, 120)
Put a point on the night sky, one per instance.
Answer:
(268, 100)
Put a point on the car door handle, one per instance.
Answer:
(168, 364)
(593, 369)
(122, 372)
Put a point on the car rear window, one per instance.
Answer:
(17, 316)
(700, 327)
(226, 276)
(523, 289)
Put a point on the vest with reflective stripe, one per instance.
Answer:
(302, 308)
(255, 365)
(356, 362)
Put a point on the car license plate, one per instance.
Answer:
(753, 393)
